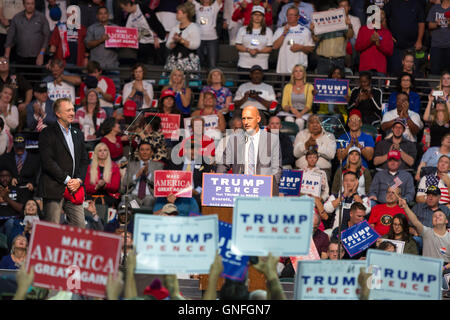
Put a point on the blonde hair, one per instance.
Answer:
(222, 77)
(107, 170)
(10, 87)
(13, 244)
(188, 8)
(440, 81)
(182, 74)
(433, 116)
(292, 73)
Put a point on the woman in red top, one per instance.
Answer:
(110, 130)
(103, 177)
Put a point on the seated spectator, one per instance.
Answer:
(353, 164)
(140, 178)
(167, 102)
(153, 135)
(90, 116)
(207, 150)
(254, 41)
(5, 138)
(183, 205)
(24, 167)
(357, 138)
(18, 254)
(430, 159)
(183, 41)
(437, 120)
(320, 238)
(424, 211)
(61, 85)
(183, 94)
(298, 97)
(103, 85)
(387, 178)
(294, 41)
(8, 111)
(397, 141)
(374, 46)
(435, 237)
(255, 93)
(382, 215)
(23, 225)
(11, 204)
(315, 137)
(350, 195)
(305, 10)
(138, 90)
(40, 111)
(216, 83)
(103, 177)
(73, 52)
(287, 149)
(93, 221)
(444, 85)
(367, 100)
(331, 108)
(120, 220)
(399, 231)
(405, 83)
(311, 166)
(440, 179)
(413, 121)
(111, 136)
(333, 251)
(209, 108)
(245, 11)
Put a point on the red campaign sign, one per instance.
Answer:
(72, 259)
(174, 182)
(121, 37)
(170, 124)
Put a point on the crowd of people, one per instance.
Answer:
(387, 163)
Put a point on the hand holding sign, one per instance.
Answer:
(24, 280)
(268, 266)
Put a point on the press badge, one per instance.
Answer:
(203, 20)
(254, 42)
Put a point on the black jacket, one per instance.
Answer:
(57, 162)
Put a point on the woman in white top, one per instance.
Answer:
(254, 42)
(138, 90)
(5, 139)
(183, 41)
(8, 112)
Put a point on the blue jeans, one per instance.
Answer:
(208, 53)
(324, 65)
(439, 59)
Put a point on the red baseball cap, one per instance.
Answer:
(167, 93)
(394, 154)
(355, 112)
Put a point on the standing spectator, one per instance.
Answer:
(29, 33)
(367, 100)
(440, 179)
(153, 135)
(216, 83)
(233, 27)
(315, 137)
(60, 85)
(245, 11)
(444, 85)
(375, 46)
(183, 41)
(440, 37)
(151, 32)
(382, 215)
(64, 161)
(407, 149)
(294, 42)
(305, 11)
(95, 41)
(430, 158)
(406, 21)
(405, 83)
(409, 64)
(8, 111)
(287, 150)
(55, 11)
(166, 12)
(138, 90)
(351, 57)
(357, 138)
(254, 42)
(40, 111)
(103, 177)
(387, 178)
(111, 133)
(8, 9)
(88, 11)
(399, 231)
(413, 121)
(18, 254)
(103, 85)
(311, 166)
(182, 94)
(437, 119)
(71, 50)
(206, 18)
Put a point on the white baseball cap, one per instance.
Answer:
(258, 9)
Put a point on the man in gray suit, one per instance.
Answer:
(254, 152)
(141, 176)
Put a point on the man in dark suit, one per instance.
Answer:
(24, 167)
(64, 163)
(40, 111)
(253, 152)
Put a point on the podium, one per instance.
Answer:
(256, 279)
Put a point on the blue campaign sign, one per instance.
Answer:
(290, 182)
(358, 238)
(331, 91)
(404, 276)
(234, 266)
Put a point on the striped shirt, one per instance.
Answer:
(433, 180)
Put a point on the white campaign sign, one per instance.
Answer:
(329, 21)
(211, 125)
(311, 183)
(400, 245)
(168, 245)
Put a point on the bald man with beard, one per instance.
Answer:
(254, 151)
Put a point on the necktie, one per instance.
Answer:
(188, 167)
(142, 186)
(19, 164)
(251, 157)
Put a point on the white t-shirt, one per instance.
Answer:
(206, 18)
(138, 20)
(267, 93)
(391, 115)
(128, 87)
(255, 40)
(286, 58)
(64, 90)
(191, 33)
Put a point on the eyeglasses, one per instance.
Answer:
(4, 62)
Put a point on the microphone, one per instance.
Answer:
(128, 133)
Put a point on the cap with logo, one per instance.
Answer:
(259, 9)
(433, 190)
(394, 154)
(19, 141)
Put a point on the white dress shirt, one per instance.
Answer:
(255, 138)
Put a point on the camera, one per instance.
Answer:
(437, 93)
(255, 92)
